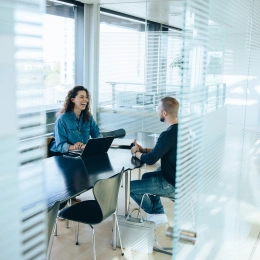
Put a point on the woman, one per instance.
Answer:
(75, 123)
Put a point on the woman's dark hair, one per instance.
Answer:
(69, 105)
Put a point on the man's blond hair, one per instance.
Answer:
(171, 106)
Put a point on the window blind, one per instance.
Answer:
(139, 64)
(163, 73)
(23, 215)
(31, 126)
(10, 212)
(216, 178)
(121, 73)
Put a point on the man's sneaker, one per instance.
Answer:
(159, 219)
(148, 216)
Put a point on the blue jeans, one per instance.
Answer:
(153, 183)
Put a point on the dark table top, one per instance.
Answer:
(66, 177)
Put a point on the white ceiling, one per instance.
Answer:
(169, 12)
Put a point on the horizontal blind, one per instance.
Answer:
(216, 175)
(162, 74)
(10, 246)
(193, 99)
(31, 126)
(137, 68)
(121, 73)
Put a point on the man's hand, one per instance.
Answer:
(134, 149)
(139, 147)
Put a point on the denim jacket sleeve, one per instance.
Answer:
(94, 129)
(61, 137)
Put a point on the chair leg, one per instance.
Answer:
(122, 183)
(67, 221)
(56, 228)
(114, 231)
(76, 233)
(139, 174)
(93, 240)
(127, 191)
(122, 251)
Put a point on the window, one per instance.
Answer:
(58, 51)
(122, 57)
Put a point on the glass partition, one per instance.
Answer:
(139, 64)
(211, 67)
(217, 178)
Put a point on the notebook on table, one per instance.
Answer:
(93, 146)
(122, 143)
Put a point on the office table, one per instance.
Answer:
(65, 177)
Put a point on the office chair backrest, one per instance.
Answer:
(116, 133)
(52, 215)
(48, 144)
(106, 194)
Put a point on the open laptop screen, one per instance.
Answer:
(95, 146)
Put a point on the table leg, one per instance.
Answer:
(127, 191)
(114, 231)
(139, 174)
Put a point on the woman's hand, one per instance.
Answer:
(79, 146)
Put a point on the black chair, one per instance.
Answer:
(49, 141)
(116, 133)
(119, 133)
(93, 212)
(52, 215)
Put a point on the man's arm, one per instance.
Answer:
(151, 156)
(140, 148)
(162, 146)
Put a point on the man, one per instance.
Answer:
(162, 181)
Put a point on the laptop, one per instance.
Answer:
(93, 146)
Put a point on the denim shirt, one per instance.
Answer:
(69, 129)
